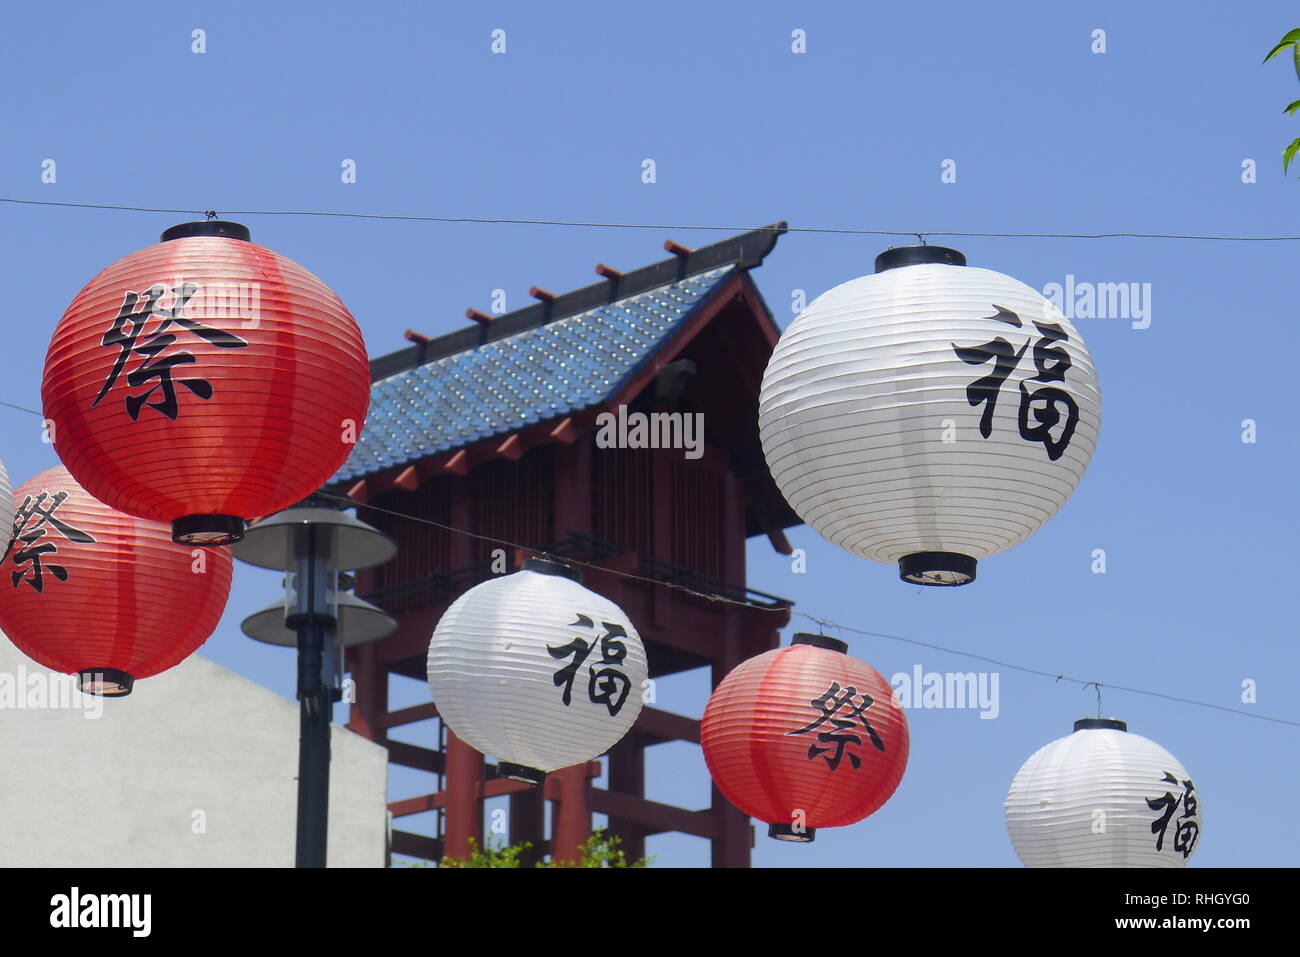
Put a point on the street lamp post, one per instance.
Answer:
(311, 543)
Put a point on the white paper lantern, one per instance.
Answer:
(1102, 797)
(536, 671)
(6, 504)
(931, 414)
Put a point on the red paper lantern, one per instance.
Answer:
(90, 590)
(805, 737)
(205, 381)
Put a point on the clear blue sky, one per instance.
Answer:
(1199, 529)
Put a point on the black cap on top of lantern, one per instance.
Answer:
(1106, 724)
(208, 227)
(918, 255)
(821, 641)
(549, 566)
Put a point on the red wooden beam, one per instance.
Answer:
(418, 805)
(420, 712)
(653, 816)
(537, 292)
(480, 317)
(359, 492)
(414, 756)
(666, 726)
(512, 448)
(409, 479)
(458, 464)
(779, 542)
(417, 845)
(677, 249)
(609, 272)
(495, 787)
(419, 338)
(565, 432)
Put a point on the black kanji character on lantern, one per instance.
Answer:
(1188, 828)
(1005, 358)
(613, 684)
(135, 312)
(829, 703)
(608, 685)
(1050, 363)
(31, 548)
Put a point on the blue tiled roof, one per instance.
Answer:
(538, 374)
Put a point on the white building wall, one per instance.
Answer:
(197, 767)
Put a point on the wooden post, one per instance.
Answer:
(464, 816)
(570, 813)
(627, 776)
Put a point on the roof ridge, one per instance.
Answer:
(746, 250)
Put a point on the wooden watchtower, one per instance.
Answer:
(494, 430)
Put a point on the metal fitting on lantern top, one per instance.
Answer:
(917, 256)
(208, 227)
(549, 566)
(821, 641)
(1092, 724)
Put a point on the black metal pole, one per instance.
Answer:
(315, 699)
(314, 707)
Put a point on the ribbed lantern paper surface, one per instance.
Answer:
(536, 671)
(85, 588)
(929, 410)
(205, 375)
(6, 501)
(1103, 797)
(805, 737)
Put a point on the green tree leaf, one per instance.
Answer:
(1291, 38)
(1289, 154)
(1292, 107)
(600, 850)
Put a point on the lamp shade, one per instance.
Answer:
(204, 381)
(929, 415)
(536, 671)
(1103, 797)
(89, 590)
(805, 737)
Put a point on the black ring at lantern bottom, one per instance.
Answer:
(937, 568)
(207, 530)
(105, 682)
(787, 832)
(519, 772)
